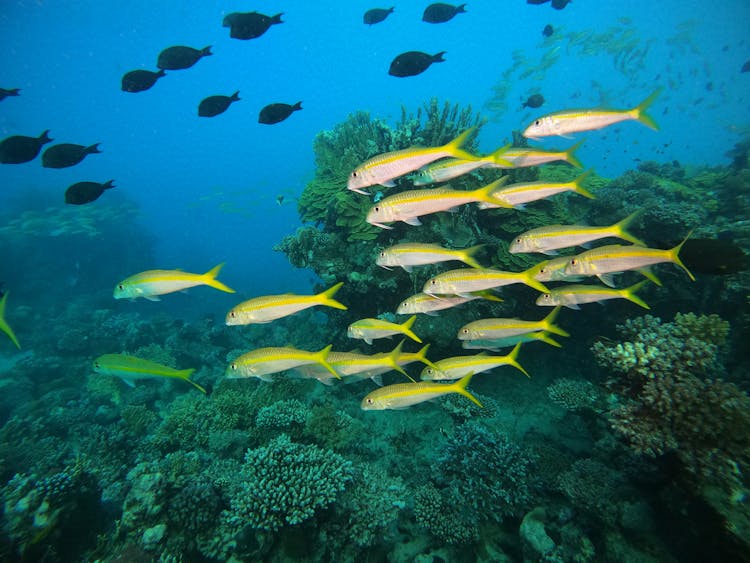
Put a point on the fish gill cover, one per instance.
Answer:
(630, 440)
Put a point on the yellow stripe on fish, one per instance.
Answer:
(264, 362)
(551, 238)
(152, 283)
(497, 328)
(518, 195)
(372, 329)
(403, 395)
(451, 168)
(409, 205)
(460, 366)
(410, 254)
(465, 281)
(4, 326)
(384, 168)
(572, 296)
(607, 260)
(521, 157)
(428, 304)
(131, 368)
(495, 344)
(565, 122)
(271, 307)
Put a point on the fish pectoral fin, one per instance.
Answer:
(414, 221)
(151, 297)
(127, 382)
(265, 377)
(409, 269)
(573, 306)
(388, 184)
(368, 340)
(607, 279)
(377, 380)
(551, 252)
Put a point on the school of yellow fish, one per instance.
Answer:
(445, 290)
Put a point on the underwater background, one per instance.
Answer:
(629, 442)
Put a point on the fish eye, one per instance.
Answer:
(232, 314)
(573, 262)
(382, 254)
(433, 282)
(354, 174)
(518, 239)
(96, 364)
(465, 331)
(376, 209)
(120, 287)
(369, 401)
(233, 366)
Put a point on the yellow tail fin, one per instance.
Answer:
(406, 329)
(327, 299)
(322, 358)
(460, 387)
(578, 185)
(185, 376)
(530, 277)
(467, 256)
(674, 256)
(210, 279)
(639, 112)
(511, 359)
(570, 156)
(393, 357)
(629, 294)
(549, 319)
(4, 325)
(620, 228)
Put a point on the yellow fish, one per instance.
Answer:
(384, 168)
(263, 362)
(410, 254)
(551, 238)
(492, 329)
(152, 283)
(565, 122)
(271, 307)
(408, 206)
(131, 368)
(371, 329)
(496, 344)
(464, 281)
(4, 326)
(572, 296)
(605, 261)
(521, 157)
(429, 304)
(402, 395)
(459, 366)
(519, 194)
(454, 167)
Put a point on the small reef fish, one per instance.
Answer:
(130, 369)
(549, 239)
(413, 63)
(572, 296)
(450, 168)
(466, 281)
(429, 304)
(746, 67)
(249, 25)
(276, 113)
(67, 154)
(20, 148)
(518, 195)
(271, 307)
(6, 92)
(441, 13)
(402, 395)
(411, 254)
(560, 4)
(180, 57)
(152, 283)
(140, 80)
(351, 363)
(384, 168)
(612, 259)
(216, 105)
(81, 193)
(410, 205)
(4, 326)
(566, 122)
(533, 101)
(376, 15)
(263, 362)
(372, 329)
(548, 30)
(521, 157)
(493, 329)
(460, 366)
(554, 270)
(496, 344)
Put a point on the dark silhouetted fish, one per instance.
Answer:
(548, 30)
(441, 13)
(376, 15)
(140, 80)
(5, 92)
(412, 63)
(560, 4)
(273, 113)
(179, 57)
(86, 192)
(533, 101)
(66, 154)
(745, 67)
(249, 25)
(537, 1)
(19, 149)
(214, 105)
(713, 256)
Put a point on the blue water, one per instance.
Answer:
(207, 191)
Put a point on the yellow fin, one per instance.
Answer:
(639, 112)
(328, 300)
(511, 359)
(4, 326)
(674, 255)
(210, 279)
(185, 376)
(460, 387)
(620, 228)
(454, 147)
